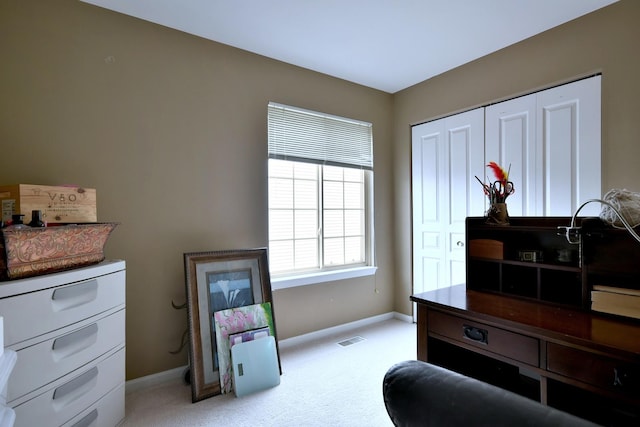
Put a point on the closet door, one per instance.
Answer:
(447, 154)
(551, 139)
(569, 148)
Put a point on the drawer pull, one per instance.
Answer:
(75, 342)
(73, 296)
(476, 334)
(88, 419)
(618, 377)
(76, 388)
(626, 378)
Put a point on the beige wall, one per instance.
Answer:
(605, 41)
(172, 134)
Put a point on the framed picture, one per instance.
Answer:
(216, 281)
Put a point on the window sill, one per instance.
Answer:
(325, 276)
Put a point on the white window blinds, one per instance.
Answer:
(308, 136)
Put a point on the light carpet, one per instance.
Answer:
(322, 384)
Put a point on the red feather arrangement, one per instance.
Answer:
(501, 174)
(501, 187)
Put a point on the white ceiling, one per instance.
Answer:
(384, 44)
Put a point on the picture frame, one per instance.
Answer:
(215, 281)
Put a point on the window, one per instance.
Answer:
(320, 194)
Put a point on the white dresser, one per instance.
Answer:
(7, 362)
(68, 330)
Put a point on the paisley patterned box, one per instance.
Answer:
(28, 251)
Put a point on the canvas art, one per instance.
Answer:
(232, 321)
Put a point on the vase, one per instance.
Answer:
(497, 214)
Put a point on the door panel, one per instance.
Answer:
(466, 198)
(428, 242)
(428, 164)
(551, 140)
(457, 261)
(569, 136)
(559, 165)
(431, 270)
(511, 135)
(446, 156)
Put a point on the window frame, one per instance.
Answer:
(343, 272)
(292, 281)
(299, 135)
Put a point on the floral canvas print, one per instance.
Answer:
(232, 321)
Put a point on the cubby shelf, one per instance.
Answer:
(531, 258)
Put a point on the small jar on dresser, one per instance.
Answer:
(68, 331)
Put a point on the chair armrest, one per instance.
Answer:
(420, 394)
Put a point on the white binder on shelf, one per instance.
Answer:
(255, 366)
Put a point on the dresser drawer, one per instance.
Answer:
(518, 347)
(37, 313)
(44, 362)
(601, 371)
(73, 394)
(107, 412)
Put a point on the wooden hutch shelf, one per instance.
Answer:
(532, 258)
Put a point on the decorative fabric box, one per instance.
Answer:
(32, 251)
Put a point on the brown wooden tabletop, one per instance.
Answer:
(541, 319)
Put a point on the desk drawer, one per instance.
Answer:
(601, 371)
(499, 341)
(36, 313)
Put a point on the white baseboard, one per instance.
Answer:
(404, 317)
(323, 333)
(178, 373)
(155, 379)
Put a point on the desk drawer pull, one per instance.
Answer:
(476, 334)
(626, 378)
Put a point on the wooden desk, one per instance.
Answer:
(575, 360)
